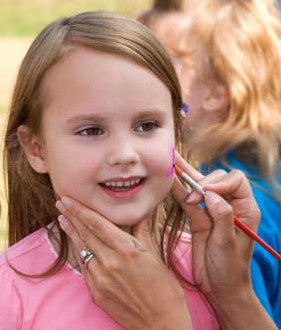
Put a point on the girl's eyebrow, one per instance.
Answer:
(84, 118)
(152, 112)
(140, 114)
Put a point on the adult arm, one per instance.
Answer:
(221, 252)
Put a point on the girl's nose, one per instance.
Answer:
(123, 154)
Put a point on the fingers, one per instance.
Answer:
(72, 233)
(103, 256)
(222, 215)
(77, 244)
(142, 232)
(236, 186)
(89, 222)
(95, 245)
(202, 180)
(199, 219)
(89, 271)
(233, 183)
(218, 213)
(102, 237)
(214, 177)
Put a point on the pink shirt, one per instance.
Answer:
(62, 301)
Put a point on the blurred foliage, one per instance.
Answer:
(28, 17)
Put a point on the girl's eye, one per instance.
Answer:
(147, 126)
(91, 131)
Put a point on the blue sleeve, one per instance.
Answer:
(266, 269)
(260, 286)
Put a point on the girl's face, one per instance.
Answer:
(108, 134)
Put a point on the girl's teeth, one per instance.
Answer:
(122, 184)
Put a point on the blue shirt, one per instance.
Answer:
(265, 269)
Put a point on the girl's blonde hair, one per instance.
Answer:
(31, 199)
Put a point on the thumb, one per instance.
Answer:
(142, 232)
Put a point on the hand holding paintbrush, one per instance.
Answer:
(216, 177)
(221, 252)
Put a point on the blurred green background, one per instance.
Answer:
(27, 17)
(20, 21)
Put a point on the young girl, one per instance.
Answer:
(93, 125)
(230, 67)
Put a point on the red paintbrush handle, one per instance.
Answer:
(254, 236)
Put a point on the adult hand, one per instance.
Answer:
(222, 252)
(127, 276)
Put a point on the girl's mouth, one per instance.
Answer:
(121, 188)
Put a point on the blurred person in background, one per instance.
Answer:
(228, 58)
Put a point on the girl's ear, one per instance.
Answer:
(33, 149)
(216, 99)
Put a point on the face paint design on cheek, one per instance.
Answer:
(171, 168)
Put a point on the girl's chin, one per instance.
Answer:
(127, 223)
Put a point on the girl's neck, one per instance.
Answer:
(127, 229)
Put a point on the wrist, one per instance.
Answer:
(176, 318)
(242, 311)
(178, 322)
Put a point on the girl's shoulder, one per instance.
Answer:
(21, 256)
(29, 254)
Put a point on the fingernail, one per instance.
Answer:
(191, 198)
(66, 201)
(63, 221)
(60, 206)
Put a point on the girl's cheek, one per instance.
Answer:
(160, 158)
(162, 161)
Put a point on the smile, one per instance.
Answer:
(122, 187)
(122, 184)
